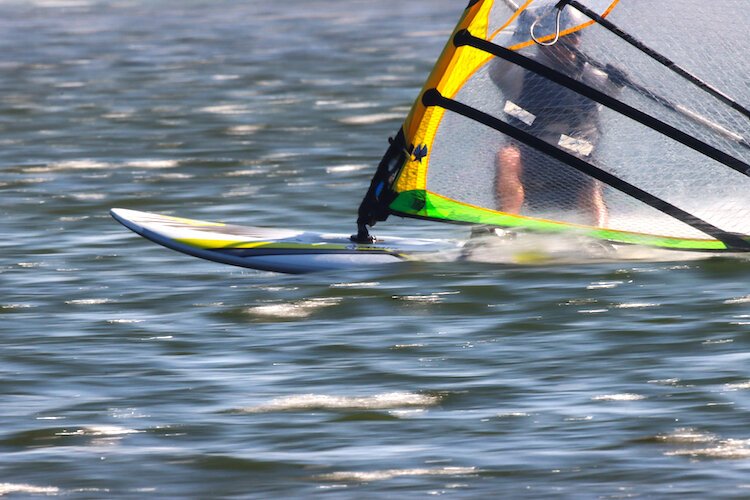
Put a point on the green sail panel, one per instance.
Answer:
(421, 204)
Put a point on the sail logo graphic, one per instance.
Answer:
(419, 153)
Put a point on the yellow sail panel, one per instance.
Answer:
(456, 66)
(451, 69)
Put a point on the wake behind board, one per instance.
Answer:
(278, 250)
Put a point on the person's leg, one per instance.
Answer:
(509, 186)
(592, 200)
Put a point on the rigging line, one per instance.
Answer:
(433, 97)
(465, 38)
(511, 4)
(518, 10)
(662, 59)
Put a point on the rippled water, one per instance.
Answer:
(128, 370)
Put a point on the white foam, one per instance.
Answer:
(6, 488)
(101, 430)
(339, 104)
(737, 387)
(719, 341)
(355, 284)
(118, 115)
(345, 168)
(244, 173)
(731, 449)
(174, 175)
(428, 299)
(513, 414)
(370, 119)
(225, 109)
(666, 381)
(715, 447)
(687, 435)
(88, 164)
(300, 309)
(153, 163)
(385, 401)
(425, 298)
(70, 85)
(82, 164)
(30, 265)
(603, 284)
(619, 397)
(739, 300)
(243, 129)
(383, 475)
(221, 78)
(87, 302)
(88, 196)
(636, 305)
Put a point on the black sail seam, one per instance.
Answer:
(433, 97)
(465, 38)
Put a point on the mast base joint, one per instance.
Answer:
(363, 236)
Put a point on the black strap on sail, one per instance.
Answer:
(465, 38)
(374, 206)
(661, 58)
(432, 97)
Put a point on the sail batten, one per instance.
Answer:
(581, 130)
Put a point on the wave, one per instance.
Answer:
(382, 475)
(8, 488)
(714, 446)
(385, 401)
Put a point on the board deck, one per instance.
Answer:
(278, 250)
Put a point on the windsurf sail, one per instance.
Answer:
(620, 120)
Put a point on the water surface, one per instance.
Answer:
(130, 371)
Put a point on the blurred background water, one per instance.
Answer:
(127, 370)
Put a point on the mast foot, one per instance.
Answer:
(363, 236)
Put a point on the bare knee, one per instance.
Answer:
(509, 155)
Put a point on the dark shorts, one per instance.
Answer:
(550, 184)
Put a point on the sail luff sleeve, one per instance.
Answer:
(374, 205)
(465, 38)
(382, 189)
(733, 242)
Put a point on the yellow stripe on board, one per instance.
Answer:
(188, 222)
(209, 244)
